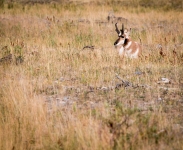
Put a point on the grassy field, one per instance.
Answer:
(63, 85)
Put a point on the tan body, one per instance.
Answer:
(126, 47)
(130, 49)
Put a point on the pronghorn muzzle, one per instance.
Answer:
(116, 42)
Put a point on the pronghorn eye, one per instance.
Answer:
(122, 36)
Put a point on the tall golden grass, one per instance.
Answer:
(56, 95)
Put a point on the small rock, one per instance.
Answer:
(130, 122)
(139, 72)
(159, 99)
(61, 79)
(104, 88)
(164, 80)
(177, 127)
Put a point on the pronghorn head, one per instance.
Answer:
(123, 35)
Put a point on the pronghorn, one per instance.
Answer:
(125, 45)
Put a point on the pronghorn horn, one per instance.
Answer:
(122, 28)
(117, 30)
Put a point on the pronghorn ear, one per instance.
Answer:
(127, 32)
(130, 30)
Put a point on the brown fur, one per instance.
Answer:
(133, 46)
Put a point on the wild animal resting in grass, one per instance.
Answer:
(125, 45)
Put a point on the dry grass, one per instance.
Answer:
(56, 95)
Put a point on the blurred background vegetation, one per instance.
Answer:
(154, 4)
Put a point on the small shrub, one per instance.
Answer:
(10, 5)
(1, 3)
